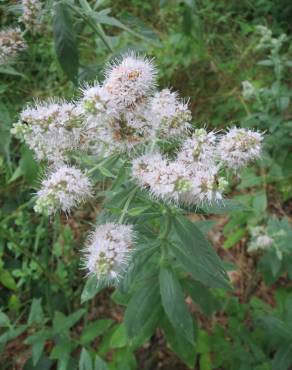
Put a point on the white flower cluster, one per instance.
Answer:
(117, 115)
(239, 147)
(31, 14)
(11, 43)
(63, 189)
(122, 113)
(50, 129)
(108, 251)
(267, 41)
(194, 176)
(260, 240)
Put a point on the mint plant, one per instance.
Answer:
(156, 168)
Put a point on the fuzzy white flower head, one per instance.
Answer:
(248, 90)
(95, 100)
(239, 146)
(165, 180)
(200, 149)
(64, 189)
(206, 186)
(50, 129)
(108, 251)
(11, 43)
(31, 14)
(170, 115)
(130, 81)
(260, 240)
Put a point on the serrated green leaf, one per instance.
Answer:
(65, 40)
(85, 361)
(119, 338)
(140, 308)
(62, 323)
(94, 329)
(99, 364)
(91, 288)
(201, 295)
(226, 206)
(179, 344)
(196, 255)
(172, 298)
(7, 280)
(36, 312)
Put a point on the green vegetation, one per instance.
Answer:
(235, 73)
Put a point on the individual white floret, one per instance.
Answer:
(200, 149)
(108, 251)
(31, 14)
(11, 43)
(170, 115)
(130, 81)
(64, 189)
(239, 146)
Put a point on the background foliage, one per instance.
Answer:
(204, 49)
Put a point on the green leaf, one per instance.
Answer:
(36, 312)
(91, 288)
(7, 280)
(119, 338)
(283, 357)
(94, 329)
(5, 125)
(196, 255)
(179, 344)
(4, 320)
(260, 201)
(172, 298)
(16, 174)
(62, 323)
(37, 350)
(141, 307)
(65, 41)
(137, 210)
(28, 165)
(61, 352)
(100, 364)
(85, 362)
(105, 172)
(203, 349)
(201, 295)
(234, 238)
(226, 206)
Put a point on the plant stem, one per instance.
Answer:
(127, 204)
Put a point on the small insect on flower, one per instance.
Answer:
(170, 115)
(239, 146)
(108, 251)
(62, 190)
(31, 14)
(11, 43)
(130, 81)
